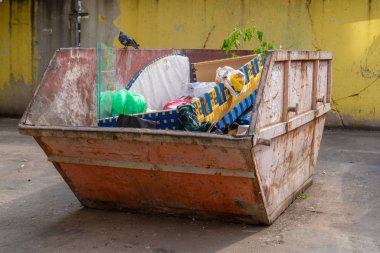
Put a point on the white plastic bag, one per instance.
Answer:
(233, 80)
(197, 89)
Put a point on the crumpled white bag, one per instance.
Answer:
(197, 89)
(223, 75)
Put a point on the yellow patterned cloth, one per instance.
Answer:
(216, 103)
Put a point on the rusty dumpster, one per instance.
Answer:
(251, 178)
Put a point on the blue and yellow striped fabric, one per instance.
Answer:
(238, 110)
(163, 119)
(107, 122)
(245, 117)
(217, 103)
(193, 73)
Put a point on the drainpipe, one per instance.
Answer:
(75, 17)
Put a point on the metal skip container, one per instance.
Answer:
(250, 179)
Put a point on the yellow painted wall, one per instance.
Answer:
(349, 28)
(4, 45)
(15, 43)
(18, 56)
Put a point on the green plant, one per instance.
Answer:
(250, 34)
(301, 197)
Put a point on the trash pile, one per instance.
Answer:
(172, 93)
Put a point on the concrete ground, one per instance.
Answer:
(341, 212)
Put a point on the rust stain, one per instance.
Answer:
(137, 189)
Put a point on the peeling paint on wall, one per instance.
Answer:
(18, 64)
(30, 32)
(16, 42)
(21, 41)
(4, 44)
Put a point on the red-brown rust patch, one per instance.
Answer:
(138, 189)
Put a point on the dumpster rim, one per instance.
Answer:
(142, 135)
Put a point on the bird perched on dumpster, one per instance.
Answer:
(127, 41)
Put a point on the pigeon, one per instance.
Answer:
(127, 41)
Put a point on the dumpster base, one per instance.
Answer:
(224, 198)
(198, 214)
(92, 188)
(170, 212)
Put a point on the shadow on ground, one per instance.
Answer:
(57, 221)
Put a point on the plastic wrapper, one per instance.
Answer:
(125, 102)
(106, 98)
(233, 80)
(197, 89)
(175, 103)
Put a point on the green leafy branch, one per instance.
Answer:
(250, 34)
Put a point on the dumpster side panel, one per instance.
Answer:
(293, 98)
(318, 132)
(66, 95)
(290, 175)
(150, 153)
(175, 178)
(322, 80)
(301, 80)
(143, 189)
(272, 99)
(284, 166)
